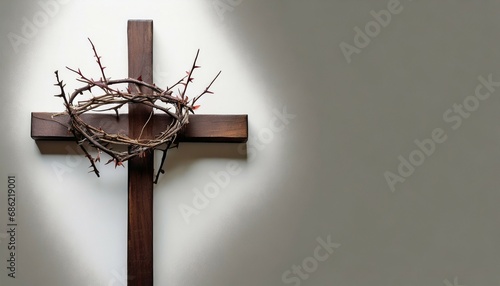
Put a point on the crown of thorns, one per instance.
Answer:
(112, 98)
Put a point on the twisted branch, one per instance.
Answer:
(112, 97)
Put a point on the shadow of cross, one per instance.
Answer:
(201, 128)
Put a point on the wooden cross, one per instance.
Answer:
(202, 128)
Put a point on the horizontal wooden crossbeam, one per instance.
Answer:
(201, 127)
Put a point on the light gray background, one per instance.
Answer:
(323, 175)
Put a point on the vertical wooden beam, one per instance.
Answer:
(140, 170)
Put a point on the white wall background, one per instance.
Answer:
(321, 177)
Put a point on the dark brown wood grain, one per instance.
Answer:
(201, 127)
(140, 169)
